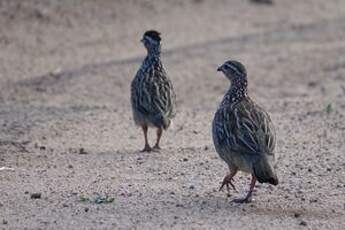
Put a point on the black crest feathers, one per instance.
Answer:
(153, 35)
(238, 65)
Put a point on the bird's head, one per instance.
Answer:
(233, 70)
(151, 40)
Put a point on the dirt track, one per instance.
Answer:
(65, 71)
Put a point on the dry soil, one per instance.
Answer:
(69, 150)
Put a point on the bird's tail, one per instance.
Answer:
(166, 123)
(264, 172)
(161, 121)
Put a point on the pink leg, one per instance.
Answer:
(159, 135)
(147, 147)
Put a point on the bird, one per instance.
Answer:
(153, 98)
(243, 133)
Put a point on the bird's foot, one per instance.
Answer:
(226, 182)
(147, 148)
(246, 199)
(156, 148)
(242, 200)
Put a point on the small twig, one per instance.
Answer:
(6, 169)
(19, 145)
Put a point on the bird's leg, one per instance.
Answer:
(159, 135)
(147, 147)
(247, 199)
(228, 180)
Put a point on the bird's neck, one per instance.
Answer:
(154, 52)
(152, 58)
(237, 91)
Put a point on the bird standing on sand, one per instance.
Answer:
(243, 133)
(152, 94)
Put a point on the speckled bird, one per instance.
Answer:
(152, 94)
(243, 133)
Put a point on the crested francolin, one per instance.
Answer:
(152, 94)
(243, 133)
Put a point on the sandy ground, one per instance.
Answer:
(65, 71)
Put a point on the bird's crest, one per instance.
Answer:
(154, 35)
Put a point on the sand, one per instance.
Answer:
(69, 149)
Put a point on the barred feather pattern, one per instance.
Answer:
(242, 131)
(152, 94)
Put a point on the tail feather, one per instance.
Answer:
(264, 172)
(161, 121)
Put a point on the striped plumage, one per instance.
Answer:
(243, 133)
(152, 93)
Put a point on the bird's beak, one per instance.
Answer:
(219, 68)
(142, 40)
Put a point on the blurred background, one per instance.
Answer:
(65, 73)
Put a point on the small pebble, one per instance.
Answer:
(82, 151)
(312, 83)
(185, 159)
(313, 201)
(303, 223)
(37, 195)
(296, 215)
(268, 2)
(86, 209)
(4, 222)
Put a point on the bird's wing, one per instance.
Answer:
(244, 128)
